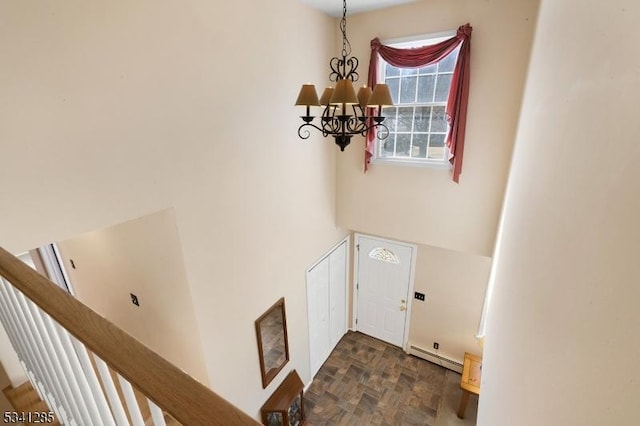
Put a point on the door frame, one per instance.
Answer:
(412, 274)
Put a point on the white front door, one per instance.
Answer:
(383, 278)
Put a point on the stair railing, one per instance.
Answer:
(61, 343)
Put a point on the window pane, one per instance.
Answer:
(408, 90)
(386, 148)
(431, 69)
(442, 88)
(422, 117)
(405, 117)
(394, 88)
(426, 85)
(437, 140)
(449, 62)
(419, 145)
(391, 71)
(390, 118)
(437, 149)
(438, 120)
(417, 124)
(403, 143)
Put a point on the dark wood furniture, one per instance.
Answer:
(286, 406)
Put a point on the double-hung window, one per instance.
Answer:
(417, 122)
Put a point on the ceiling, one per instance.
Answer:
(334, 7)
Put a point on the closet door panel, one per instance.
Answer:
(318, 312)
(338, 294)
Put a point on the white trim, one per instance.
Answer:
(53, 264)
(436, 358)
(346, 287)
(354, 289)
(346, 239)
(429, 164)
(63, 269)
(412, 274)
(421, 38)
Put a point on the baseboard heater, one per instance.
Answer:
(436, 359)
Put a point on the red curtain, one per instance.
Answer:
(458, 95)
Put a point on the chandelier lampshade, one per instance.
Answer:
(364, 95)
(308, 96)
(344, 93)
(326, 97)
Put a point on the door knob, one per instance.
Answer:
(403, 308)
(403, 301)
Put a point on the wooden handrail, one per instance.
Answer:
(177, 393)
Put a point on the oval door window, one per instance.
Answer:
(384, 254)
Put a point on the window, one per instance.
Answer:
(417, 123)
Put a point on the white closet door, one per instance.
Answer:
(318, 311)
(337, 294)
(326, 305)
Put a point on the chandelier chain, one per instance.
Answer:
(346, 46)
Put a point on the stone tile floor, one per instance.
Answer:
(368, 382)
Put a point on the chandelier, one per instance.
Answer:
(344, 114)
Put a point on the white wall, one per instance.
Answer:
(562, 334)
(144, 257)
(421, 204)
(116, 109)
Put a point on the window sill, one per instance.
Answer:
(433, 164)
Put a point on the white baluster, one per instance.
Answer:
(71, 400)
(55, 385)
(87, 379)
(42, 378)
(12, 328)
(156, 414)
(112, 393)
(132, 403)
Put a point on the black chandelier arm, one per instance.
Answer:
(348, 126)
(304, 133)
(355, 126)
(382, 131)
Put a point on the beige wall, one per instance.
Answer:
(144, 257)
(453, 224)
(113, 110)
(423, 204)
(454, 284)
(562, 333)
